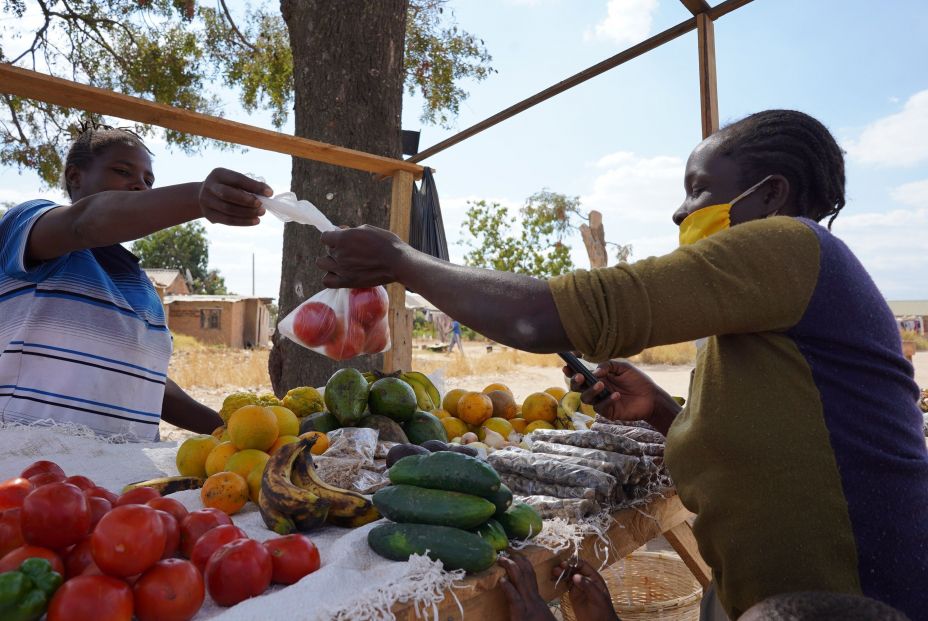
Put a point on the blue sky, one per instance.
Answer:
(620, 141)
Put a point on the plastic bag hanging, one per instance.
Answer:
(337, 323)
(426, 230)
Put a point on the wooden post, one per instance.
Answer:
(399, 357)
(708, 91)
(683, 541)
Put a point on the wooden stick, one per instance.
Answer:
(708, 88)
(578, 78)
(696, 6)
(399, 356)
(33, 85)
(683, 541)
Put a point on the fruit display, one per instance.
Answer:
(145, 556)
(448, 506)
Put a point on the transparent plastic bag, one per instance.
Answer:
(338, 323)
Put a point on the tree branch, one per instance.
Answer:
(22, 136)
(228, 16)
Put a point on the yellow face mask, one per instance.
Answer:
(710, 220)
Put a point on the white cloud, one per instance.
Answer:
(900, 139)
(914, 194)
(626, 21)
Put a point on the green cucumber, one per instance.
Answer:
(447, 470)
(455, 548)
(521, 521)
(418, 505)
(493, 533)
(502, 498)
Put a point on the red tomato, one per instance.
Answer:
(78, 559)
(55, 516)
(293, 556)
(376, 339)
(170, 505)
(315, 324)
(15, 558)
(11, 535)
(347, 344)
(100, 598)
(237, 571)
(137, 496)
(196, 523)
(98, 508)
(38, 480)
(102, 492)
(171, 533)
(212, 540)
(367, 306)
(42, 467)
(12, 492)
(82, 482)
(128, 540)
(172, 590)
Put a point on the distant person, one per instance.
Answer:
(82, 330)
(800, 449)
(455, 337)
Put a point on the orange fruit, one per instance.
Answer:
(450, 402)
(322, 441)
(518, 424)
(254, 483)
(243, 462)
(440, 414)
(217, 458)
(287, 422)
(557, 393)
(538, 424)
(539, 406)
(504, 406)
(226, 491)
(253, 427)
(500, 425)
(218, 431)
(496, 386)
(454, 427)
(281, 441)
(192, 454)
(474, 408)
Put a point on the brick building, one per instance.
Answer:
(231, 320)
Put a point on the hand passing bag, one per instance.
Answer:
(338, 323)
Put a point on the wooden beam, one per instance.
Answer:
(399, 357)
(708, 88)
(696, 6)
(33, 85)
(724, 8)
(683, 541)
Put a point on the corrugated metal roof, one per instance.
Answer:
(168, 299)
(901, 308)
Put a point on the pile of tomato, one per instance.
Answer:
(136, 554)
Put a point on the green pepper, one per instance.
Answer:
(24, 594)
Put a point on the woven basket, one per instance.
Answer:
(648, 586)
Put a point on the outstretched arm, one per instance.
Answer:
(181, 410)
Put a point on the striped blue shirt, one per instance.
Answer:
(83, 336)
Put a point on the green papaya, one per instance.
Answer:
(419, 505)
(521, 521)
(388, 430)
(423, 427)
(319, 421)
(346, 396)
(447, 470)
(455, 548)
(502, 498)
(493, 533)
(393, 398)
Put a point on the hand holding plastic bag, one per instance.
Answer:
(338, 323)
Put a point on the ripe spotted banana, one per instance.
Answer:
(423, 379)
(274, 519)
(305, 509)
(168, 485)
(563, 419)
(346, 508)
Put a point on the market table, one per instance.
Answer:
(481, 598)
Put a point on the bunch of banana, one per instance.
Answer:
(168, 485)
(563, 419)
(428, 398)
(346, 508)
(286, 507)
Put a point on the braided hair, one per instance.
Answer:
(93, 139)
(795, 145)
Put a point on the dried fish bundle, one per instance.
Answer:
(541, 467)
(570, 509)
(524, 486)
(638, 434)
(618, 465)
(652, 449)
(598, 440)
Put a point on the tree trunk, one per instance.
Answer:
(594, 238)
(348, 85)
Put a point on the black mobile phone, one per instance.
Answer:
(577, 366)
